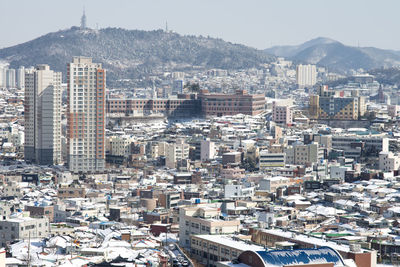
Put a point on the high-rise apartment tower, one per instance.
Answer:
(85, 114)
(42, 116)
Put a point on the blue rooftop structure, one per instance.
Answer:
(275, 258)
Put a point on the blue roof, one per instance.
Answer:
(301, 256)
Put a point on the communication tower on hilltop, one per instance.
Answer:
(83, 20)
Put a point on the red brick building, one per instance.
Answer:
(223, 104)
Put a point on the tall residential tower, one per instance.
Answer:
(43, 116)
(306, 75)
(85, 114)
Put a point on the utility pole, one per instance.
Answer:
(29, 249)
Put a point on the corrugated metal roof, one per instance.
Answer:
(301, 256)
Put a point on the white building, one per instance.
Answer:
(176, 152)
(203, 220)
(10, 78)
(388, 161)
(3, 74)
(338, 172)
(120, 145)
(20, 78)
(85, 114)
(272, 183)
(22, 228)
(207, 150)
(306, 75)
(43, 116)
(303, 154)
(238, 191)
(282, 113)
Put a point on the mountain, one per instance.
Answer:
(337, 56)
(132, 53)
(291, 50)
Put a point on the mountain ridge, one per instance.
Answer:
(336, 56)
(133, 53)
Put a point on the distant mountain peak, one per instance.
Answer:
(319, 40)
(337, 56)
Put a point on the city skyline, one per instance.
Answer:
(260, 24)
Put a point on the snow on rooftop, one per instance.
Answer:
(227, 240)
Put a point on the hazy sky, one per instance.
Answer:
(257, 23)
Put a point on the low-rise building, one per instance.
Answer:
(269, 160)
(388, 161)
(23, 228)
(209, 249)
(203, 220)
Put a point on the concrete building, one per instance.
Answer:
(238, 191)
(303, 154)
(41, 211)
(335, 105)
(10, 78)
(207, 150)
(175, 153)
(169, 200)
(282, 113)
(271, 184)
(3, 77)
(355, 145)
(269, 160)
(120, 145)
(388, 161)
(209, 249)
(306, 75)
(232, 158)
(20, 78)
(86, 115)
(43, 116)
(239, 103)
(181, 106)
(393, 110)
(203, 220)
(22, 228)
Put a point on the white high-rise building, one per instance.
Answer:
(43, 116)
(20, 79)
(10, 78)
(306, 75)
(85, 114)
(3, 74)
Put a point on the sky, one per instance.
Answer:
(256, 23)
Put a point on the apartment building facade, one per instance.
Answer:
(42, 112)
(203, 220)
(239, 103)
(86, 115)
(23, 228)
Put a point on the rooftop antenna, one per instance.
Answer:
(83, 20)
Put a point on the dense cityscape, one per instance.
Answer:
(283, 164)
